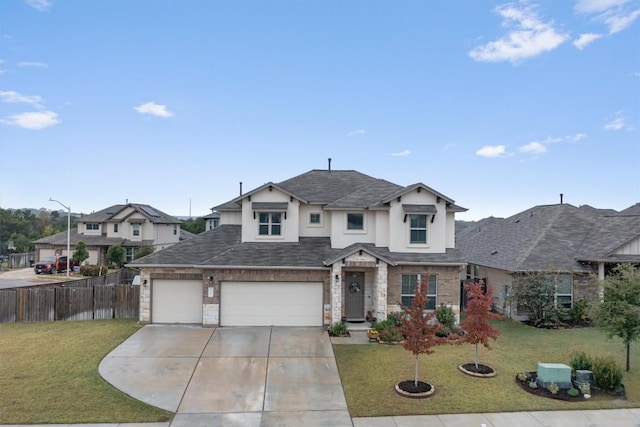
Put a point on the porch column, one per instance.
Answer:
(380, 292)
(600, 281)
(336, 292)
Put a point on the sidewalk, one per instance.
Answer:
(587, 418)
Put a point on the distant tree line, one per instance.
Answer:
(23, 226)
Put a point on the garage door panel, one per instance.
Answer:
(271, 304)
(176, 301)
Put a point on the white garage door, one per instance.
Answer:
(271, 304)
(176, 301)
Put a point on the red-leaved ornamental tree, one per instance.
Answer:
(476, 326)
(418, 326)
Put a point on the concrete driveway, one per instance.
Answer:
(255, 376)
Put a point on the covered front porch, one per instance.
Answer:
(359, 289)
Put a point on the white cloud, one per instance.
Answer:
(618, 122)
(615, 14)
(534, 147)
(356, 132)
(595, 6)
(492, 151)
(34, 120)
(620, 21)
(577, 137)
(15, 98)
(154, 109)
(530, 36)
(585, 39)
(33, 64)
(401, 153)
(40, 5)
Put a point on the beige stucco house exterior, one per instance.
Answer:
(324, 246)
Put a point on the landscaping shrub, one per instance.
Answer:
(579, 313)
(93, 270)
(606, 373)
(446, 317)
(573, 392)
(581, 361)
(391, 334)
(395, 318)
(339, 328)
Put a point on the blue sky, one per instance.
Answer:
(498, 105)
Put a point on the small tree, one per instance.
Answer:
(619, 313)
(115, 255)
(536, 291)
(476, 325)
(418, 327)
(81, 254)
(143, 251)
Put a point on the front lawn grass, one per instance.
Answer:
(370, 372)
(49, 374)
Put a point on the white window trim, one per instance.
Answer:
(270, 225)
(314, 224)
(355, 231)
(92, 224)
(133, 230)
(419, 277)
(556, 294)
(426, 231)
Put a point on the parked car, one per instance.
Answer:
(53, 264)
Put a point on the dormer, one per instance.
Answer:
(269, 213)
(421, 220)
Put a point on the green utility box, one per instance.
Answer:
(558, 373)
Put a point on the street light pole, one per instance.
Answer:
(68, 232)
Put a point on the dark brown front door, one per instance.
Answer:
(354, 296)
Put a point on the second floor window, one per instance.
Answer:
(175, 230)
(115, 228)
(418, 229)
(136, 229)
(93, 226)
(355, 221)
(315, 218)
(270, 223)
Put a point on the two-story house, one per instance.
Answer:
(132, 226)
(309, 251)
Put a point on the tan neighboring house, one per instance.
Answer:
(132, 226)
(312, 250)
(579, 246)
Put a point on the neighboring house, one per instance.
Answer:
(131, 226)
(315, 249)
(580, 245)
(212, 220)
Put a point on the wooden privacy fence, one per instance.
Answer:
(118, 301)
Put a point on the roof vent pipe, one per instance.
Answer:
(561, 196)
(241, 188)
(329, 163)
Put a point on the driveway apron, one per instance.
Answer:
(244, 376)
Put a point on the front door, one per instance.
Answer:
(354, 296)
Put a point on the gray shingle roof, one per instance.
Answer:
(222, 247)
(546, 237)
(341, 189)
(61, 239)
(154, 215)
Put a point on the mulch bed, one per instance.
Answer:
(562, 393)
(481, 369)
(409, 386)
